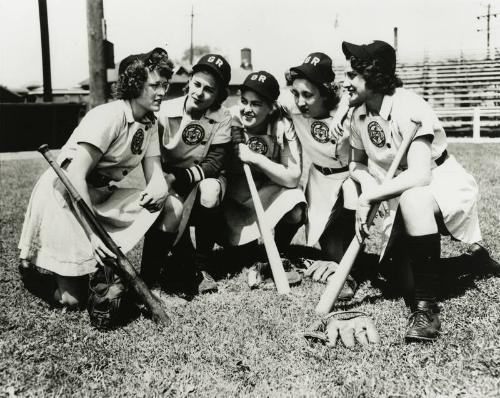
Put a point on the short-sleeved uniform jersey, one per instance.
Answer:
(276, 200)
(123, 141)
(52, 237)
(319, 148)
(380, 136)
(185, 141)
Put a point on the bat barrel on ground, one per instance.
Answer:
(337, 280)
(125, 268)
(273, 255)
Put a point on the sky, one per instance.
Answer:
(280, 32)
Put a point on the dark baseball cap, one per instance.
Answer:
(217, 64)
(317, 67)
(264, 84)
(378, 50)
(145, 57)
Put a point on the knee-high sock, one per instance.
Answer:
(284, 233)
(157, 244)
(424, 253)
(206, 232)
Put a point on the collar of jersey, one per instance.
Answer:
(175, 108)
(385, 108)
(295, 110)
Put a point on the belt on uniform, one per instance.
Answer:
(331, 170)
(441, 159)
(98, 180)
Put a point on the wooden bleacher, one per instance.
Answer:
(465, 93)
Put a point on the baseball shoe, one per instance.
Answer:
(423, 324)
(482, 261)
(260, 275)
(206, 283)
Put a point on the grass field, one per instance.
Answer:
(248, 343)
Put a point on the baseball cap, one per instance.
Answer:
(263, 83)
(217, 64)
(378, 50)
(317, 67)
(145, 57)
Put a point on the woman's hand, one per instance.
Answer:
(362, 229)
(246, 155)
(152, 201)
(101, 251)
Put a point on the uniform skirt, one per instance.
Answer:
(456, 194)
(52, 238)
(239, 210)
(322, 194)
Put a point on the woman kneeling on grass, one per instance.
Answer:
(431, 194)
(111, 140)
(195, 134)
(268, 144)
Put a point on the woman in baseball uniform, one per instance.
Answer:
(431, 194)
(195, 134)
(331, 195)
(111, 141)
(267, 142)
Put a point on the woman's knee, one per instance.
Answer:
(297, 215)
(71, 292)
(210, 193)
(171, 215)
(350, 192)
(415, 202)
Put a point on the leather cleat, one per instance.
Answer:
(206, 283)
(423, 324)
(482, 261)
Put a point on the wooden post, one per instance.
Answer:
(44, 35)
(476, 124)
(97, 64)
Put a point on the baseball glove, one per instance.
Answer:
(349, 326)
(108, 299)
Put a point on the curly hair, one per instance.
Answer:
(222, 92)
(131, 82)
(377, 79)
(329, 91)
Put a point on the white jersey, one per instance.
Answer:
(185, 141)
(316, 138)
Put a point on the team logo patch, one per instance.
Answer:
(258, 145)
(193, 134)
(376, 134)
(321, 132)
(137, 141)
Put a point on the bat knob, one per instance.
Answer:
(43, 149)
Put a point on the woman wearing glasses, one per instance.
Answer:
(195, 131)
(331, 195)
(111, 141)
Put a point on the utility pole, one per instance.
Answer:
(488, 21)
(97, 64)
(191, 52)
(396, 39)
(44, 35)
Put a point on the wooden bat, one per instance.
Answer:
(273, 255)
(125, 268)
(337, 280)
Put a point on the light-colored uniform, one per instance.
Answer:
(380, 136)
(280, 145)
(52, 238)
(185, 142)
(320, 149)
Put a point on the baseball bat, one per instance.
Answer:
(337, 280)
(125, 268)
(273, 255)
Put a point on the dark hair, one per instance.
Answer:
(377, 79)
(222, 92)
(330, 91)
(131, 82)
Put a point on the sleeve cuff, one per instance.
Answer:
(195, 174)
